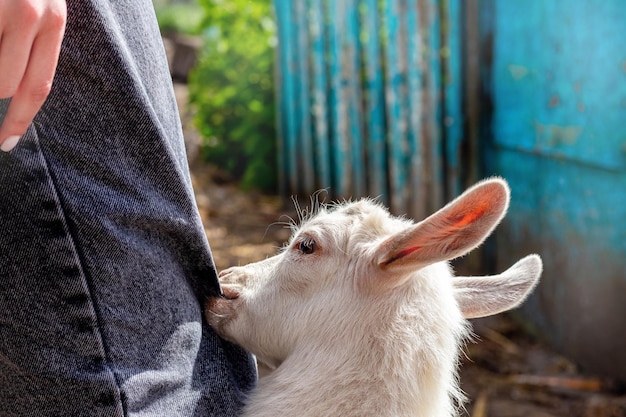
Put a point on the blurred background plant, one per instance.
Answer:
(232, 90)
(231, 84)
(183, 17)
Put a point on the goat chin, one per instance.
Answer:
(361, 315)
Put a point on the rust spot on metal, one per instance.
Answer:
(518, 71)
(555, 135)
(577, 86)
(554, 100)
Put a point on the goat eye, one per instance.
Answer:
(307, 246)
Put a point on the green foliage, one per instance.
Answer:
(184, 18)
(232, 88)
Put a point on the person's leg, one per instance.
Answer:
(103, 260)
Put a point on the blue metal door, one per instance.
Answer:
(555, 78)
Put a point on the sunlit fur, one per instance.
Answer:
(345, 336)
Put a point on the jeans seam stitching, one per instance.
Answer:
(79, 259)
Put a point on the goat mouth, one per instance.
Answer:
(219, 311)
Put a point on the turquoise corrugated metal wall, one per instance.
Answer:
(555, 75)
(370, 99)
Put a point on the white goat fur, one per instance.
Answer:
(361, 315)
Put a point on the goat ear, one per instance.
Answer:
(486, 296)
(452, 231)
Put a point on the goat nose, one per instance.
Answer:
(230, 292)
(229, 272)
(235, 275)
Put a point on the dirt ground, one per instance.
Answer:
(505, 372)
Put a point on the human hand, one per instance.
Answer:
(31, 32)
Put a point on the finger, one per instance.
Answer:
(14, 53)
(34, 87)
(15, 49)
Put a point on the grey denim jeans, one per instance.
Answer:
(104, 263)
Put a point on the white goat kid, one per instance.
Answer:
(361, 315)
